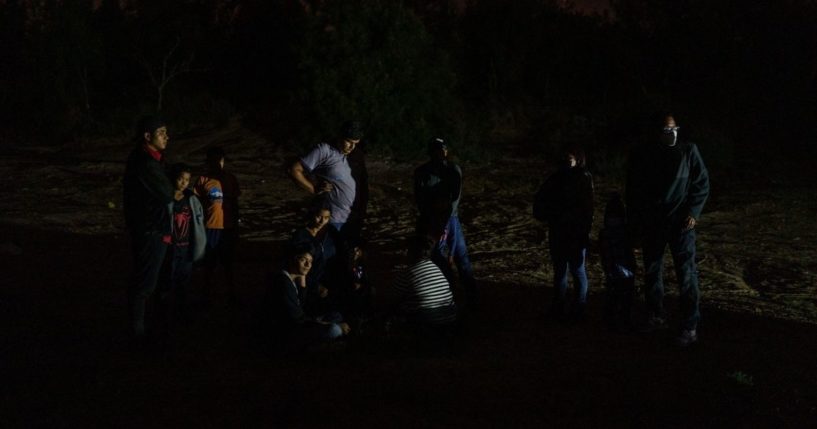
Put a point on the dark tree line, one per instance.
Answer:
(524, 75)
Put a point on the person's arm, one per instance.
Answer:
(698, 188)
(293, 306)
(587, 201)
(298, 173)
(154, 179)
(456, 184)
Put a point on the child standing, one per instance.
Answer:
(188, 239)
(618, 261)
(220, 192)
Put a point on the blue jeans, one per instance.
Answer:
(566, 258)
(176, 275)
(453, 245)
(682, 247)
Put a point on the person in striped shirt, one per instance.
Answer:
(422, 293)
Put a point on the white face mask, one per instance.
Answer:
(669, 137)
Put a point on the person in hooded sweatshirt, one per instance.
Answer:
(565, 203)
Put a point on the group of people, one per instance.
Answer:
(666, 188)
(321, 291)
(172, 225)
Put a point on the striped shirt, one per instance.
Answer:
(423, 287)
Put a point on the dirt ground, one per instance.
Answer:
(65, 362)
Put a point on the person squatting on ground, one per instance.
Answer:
(147, 195)
(618, 261)
(330, 174)
(667, 187)
(287, 324)
(188, 238)
(565, 203)
(219, 191)
(321, 238)
(422, 296)
(437, 193)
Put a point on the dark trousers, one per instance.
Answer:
(148, 254)
(682, 247)
(175, 278)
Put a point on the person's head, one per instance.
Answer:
(180, 174)
(420, 247)
(350, 134)
(573, 156)
(669, 131)
(215, 158)
(318, 214)
(300, 260)
(152, 132)
(438, 149)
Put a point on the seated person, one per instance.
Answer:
(321, 238)
(423, 296)
(284, 307)
(354, 289)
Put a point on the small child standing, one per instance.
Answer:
(220, 192)
(188, 240)
(618, 261)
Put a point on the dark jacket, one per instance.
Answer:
(324, 253)
(437, 192)
(283, 307)
(666, 183)
(148, 194)
(565, 203)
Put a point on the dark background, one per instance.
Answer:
(491, 75)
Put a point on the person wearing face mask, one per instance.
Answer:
(565, 203)
(667, 187)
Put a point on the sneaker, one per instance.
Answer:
(687, 337)
(653, 324)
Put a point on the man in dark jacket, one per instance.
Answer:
(667, 186)
(148, 194)
(437, 192)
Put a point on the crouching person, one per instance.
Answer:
(289, 325)
(423, 299)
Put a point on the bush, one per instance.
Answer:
(374, 61)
